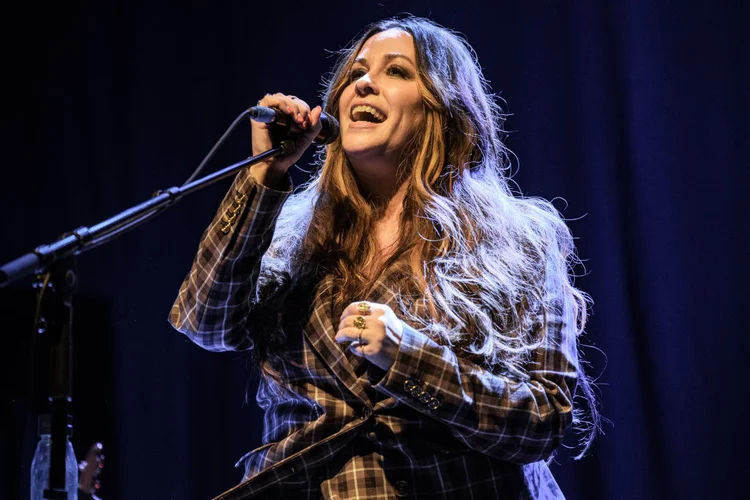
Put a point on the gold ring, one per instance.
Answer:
(359, 322)
(363, 307)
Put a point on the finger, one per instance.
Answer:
(288, 102)
(302, 107)
(351, 321)
(279, 101)
(347, 322)
(293, 107)
(349, 334)
(264, 101)
(358, 349)
(314, 116)
(302, 111)
(351, 309)
(313, 119)
(376, 310)
(288, 105)
(363, 307)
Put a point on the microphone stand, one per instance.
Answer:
(57, 281)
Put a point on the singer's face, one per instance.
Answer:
(381, 108)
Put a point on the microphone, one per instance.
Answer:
(327, 134)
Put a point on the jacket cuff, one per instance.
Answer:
(415, 377)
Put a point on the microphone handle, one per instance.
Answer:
(328, 133)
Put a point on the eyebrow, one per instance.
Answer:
(388, 57)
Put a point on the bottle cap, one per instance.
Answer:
(45, 425)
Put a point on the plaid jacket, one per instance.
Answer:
(434, 426)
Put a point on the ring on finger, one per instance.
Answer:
(359, 322)
(363, 307)
(361, 344)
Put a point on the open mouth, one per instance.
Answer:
(365, 113)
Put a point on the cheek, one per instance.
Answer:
(412, 118)
(412, 105)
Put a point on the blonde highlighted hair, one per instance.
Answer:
(475, 255)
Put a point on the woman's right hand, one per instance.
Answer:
(305, 126)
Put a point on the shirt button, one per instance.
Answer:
(402, 488)
(372, 436)
(366, 412)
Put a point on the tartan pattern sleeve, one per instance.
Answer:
(215, 298)
(518, 421)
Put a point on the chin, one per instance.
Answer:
(362, 149)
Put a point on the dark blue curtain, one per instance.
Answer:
(632, 114)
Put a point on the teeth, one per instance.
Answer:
(367, 109)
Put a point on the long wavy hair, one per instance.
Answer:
(475, 255)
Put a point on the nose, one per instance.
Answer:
(365, 85)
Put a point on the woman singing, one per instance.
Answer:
(413, 320)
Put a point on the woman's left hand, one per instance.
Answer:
(374, 331)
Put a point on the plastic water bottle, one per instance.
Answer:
(40, 464)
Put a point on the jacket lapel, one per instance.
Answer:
(321, 331)
(382, 294)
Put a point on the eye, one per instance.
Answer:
(398, 71)
(356, 74)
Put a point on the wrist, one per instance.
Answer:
(270, 175)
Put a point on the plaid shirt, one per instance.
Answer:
(433, 426)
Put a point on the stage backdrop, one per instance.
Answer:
(632, 114)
